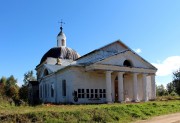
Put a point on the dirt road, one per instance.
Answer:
(170, 118)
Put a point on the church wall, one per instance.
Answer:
(45, 89)
(93, 81)
(67, 76)
(120, 58)
(102, 53)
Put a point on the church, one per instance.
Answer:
(112, 73)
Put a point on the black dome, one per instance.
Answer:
(60, 52)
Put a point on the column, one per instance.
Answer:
(120, 87)
(108, 87)
(135, 87)
(153, 86)
(145, 87)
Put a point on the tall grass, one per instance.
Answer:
(88, 113)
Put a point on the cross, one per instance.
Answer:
(61, 22)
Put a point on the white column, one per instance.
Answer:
(153, 86)
(120, 87)
(145, 87)
(108, 87)
(135, 87)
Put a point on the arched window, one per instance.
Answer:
(63, 42)
(40, 91)
(52, 90)
(46, 72)
(127, 63)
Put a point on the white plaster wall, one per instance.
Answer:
(102, 53)
(88, 80)
(120, 58)
(48, 81)
(68, 76)
(77, 78)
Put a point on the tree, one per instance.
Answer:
(11, 87)
(23, 91)
(28, 77)
(2, 85)
(170, 87)
(161, 91)
(176, 81)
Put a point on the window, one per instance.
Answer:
(48, 90)
(81, 93)
(64, 88)
(96, 93)
(40, 91)
(46, 72)
(92, 93)
(100, 93)
(87, 93)
(127, 63)
(104, 93)
(45, 90)
(63, 42)
(52, 90)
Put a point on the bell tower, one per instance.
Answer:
(61, 37)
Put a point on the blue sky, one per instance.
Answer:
(29, 28)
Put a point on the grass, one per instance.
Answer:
(88, 113)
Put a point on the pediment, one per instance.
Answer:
(103, 52)
(128, 55)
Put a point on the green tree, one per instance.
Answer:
(28, 77)
(170, 87)
(11, 87)
(2, 85)
(161, 91)
(23, 91)
(176, 81)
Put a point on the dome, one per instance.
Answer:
(61, 52)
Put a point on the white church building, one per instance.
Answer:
(112, 73)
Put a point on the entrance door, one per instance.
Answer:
(116, 90)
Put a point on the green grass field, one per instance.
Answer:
(87, 113)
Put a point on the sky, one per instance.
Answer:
(28, 29)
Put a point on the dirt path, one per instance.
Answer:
(170, 118)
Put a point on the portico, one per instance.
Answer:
(124, 84)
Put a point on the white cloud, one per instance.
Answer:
(167, 66)
(138, 50)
